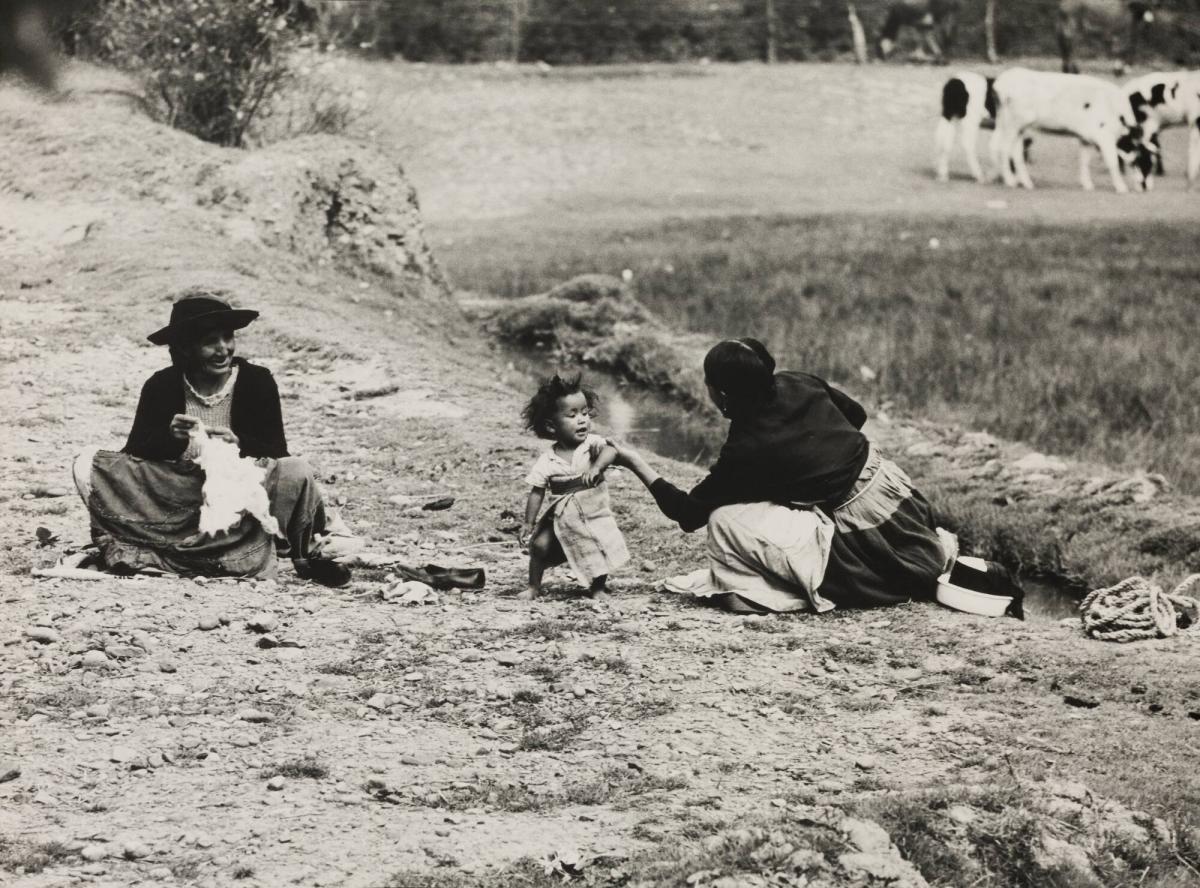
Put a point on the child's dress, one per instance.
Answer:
(587, 535)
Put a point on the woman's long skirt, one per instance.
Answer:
(887, 549)
(879, 547)
(146, 513)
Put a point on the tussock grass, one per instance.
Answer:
(306, 768)
(547, 630)
(767, 627)
(617, 782)
(525, 872)
(19, 857)
(1077, 340)
(59, 702)
(1001, 847)
(859, 654)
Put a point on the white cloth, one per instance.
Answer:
(770, 555)
(233, 486)
(550, 464)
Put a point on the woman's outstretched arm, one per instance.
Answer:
(687, 509)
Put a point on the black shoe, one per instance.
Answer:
(323, 571)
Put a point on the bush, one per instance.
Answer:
(210, 67)
(323, 96)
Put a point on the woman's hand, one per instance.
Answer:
(223, 434)
(182, 426)
(626, 455)
(632, 460)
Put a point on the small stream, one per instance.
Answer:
(654, 423)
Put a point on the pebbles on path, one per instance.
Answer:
(42, 634)
(262, 623)
(95, 660)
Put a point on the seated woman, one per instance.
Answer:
(144, 502)
(802, 512)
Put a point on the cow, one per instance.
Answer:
(1094, 111)
(968, 104)
(1164, 100)
(1112, 19)
(935, 20)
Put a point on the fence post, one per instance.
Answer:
(515, 37)
(858, 34)
(771, 50)
(989, 31)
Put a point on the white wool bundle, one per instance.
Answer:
(232, 487)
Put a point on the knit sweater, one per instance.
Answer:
(256, 416)
(804, 446)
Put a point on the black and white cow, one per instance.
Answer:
(968, 100)
(968, 105)
(1094, 111)
(1164, 100)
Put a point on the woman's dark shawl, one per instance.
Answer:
(256, 415)
(803, 446)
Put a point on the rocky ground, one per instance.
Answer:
(178, 731)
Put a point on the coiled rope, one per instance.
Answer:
(1136, 608)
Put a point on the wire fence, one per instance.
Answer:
(602, 31)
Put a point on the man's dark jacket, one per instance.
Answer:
(256, 418)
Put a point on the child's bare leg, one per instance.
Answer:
(539, 550)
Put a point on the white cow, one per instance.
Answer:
(968, 105)
(1094, 111)
(1164, 100)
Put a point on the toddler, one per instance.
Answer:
(577, 526)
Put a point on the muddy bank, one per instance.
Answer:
(1081, 525)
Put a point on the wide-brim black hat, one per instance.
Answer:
(192, 311)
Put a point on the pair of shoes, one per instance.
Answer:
(323, 571)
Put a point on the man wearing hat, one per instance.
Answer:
(144, 502)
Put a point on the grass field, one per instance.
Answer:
(796, 203)
(1079, 341)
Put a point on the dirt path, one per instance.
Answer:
(453, 737)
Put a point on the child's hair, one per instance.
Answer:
(540, 409)
(744, 370)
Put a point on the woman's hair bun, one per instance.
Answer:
(761, 350)
(743, 370)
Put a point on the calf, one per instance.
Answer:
(1164, 100)
(1094, 111)
(968, 104)
(968, 100)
